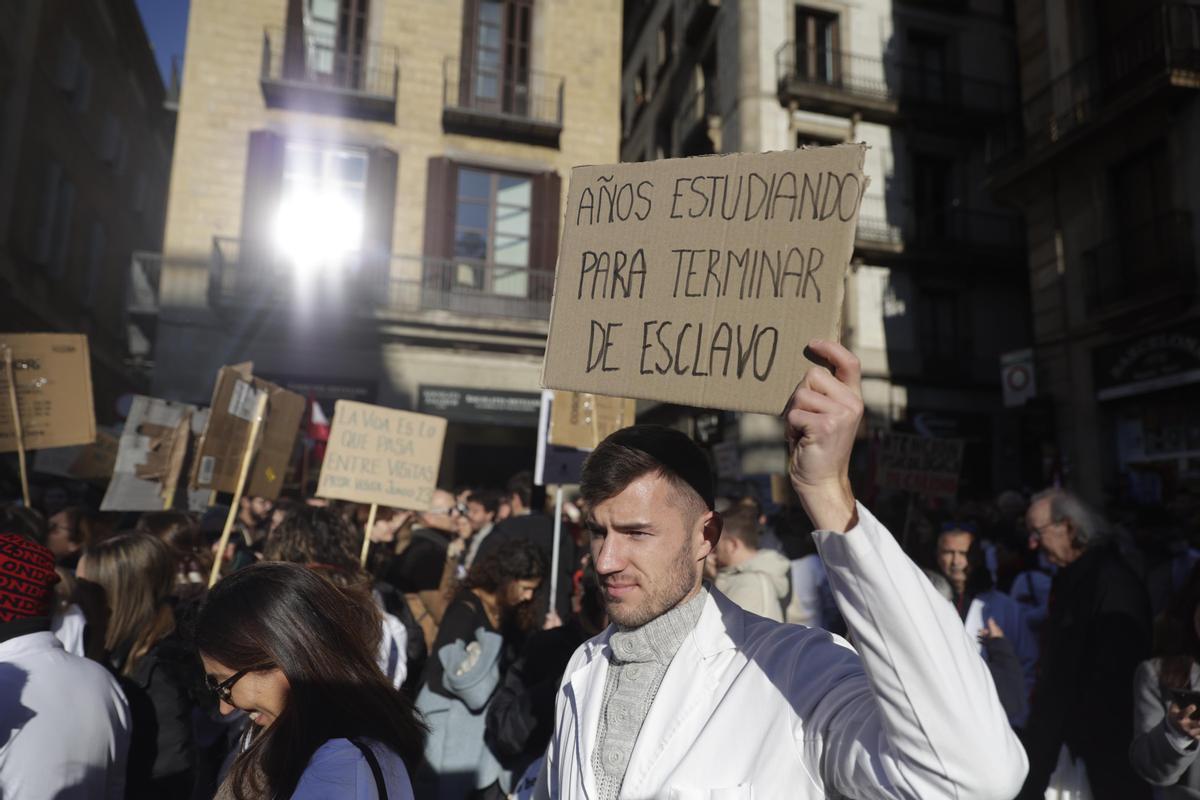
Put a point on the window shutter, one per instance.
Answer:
(547, 196)
(379, 216)
(260, 196)
(439, 222)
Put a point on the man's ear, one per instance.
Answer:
(712, 524)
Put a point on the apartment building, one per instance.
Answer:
(937, 289)
(85, 153)
(1102, 160)
(366, 198)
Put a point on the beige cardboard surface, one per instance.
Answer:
(920, 464)
(582, 420)
(54, 391)
(382, 455)
(220, 452)
(700, 280)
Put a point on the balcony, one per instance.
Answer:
(1161, 52)
(245, 275)
(304, 71)
(142, 305)
(1148, 264)
(843, 84)
(500, 104)
(698, 125)
(906, 233)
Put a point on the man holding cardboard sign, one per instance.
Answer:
(689, 695)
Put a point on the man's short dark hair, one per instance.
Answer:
(488, 498)
(742, 524)
(520, 485)
(640, 450)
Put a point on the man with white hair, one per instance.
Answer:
(1097, 633)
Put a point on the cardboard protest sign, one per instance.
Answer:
(219, 455)
(81, 462)
(700, 280)
(53, 378)
(150, 461)
(583, 420)
(920, 464)
(382, 455)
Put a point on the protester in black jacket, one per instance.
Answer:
(520, 717)
(1097, 632)
(155, 668)
(526, 523)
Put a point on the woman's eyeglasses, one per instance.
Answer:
(224, 689)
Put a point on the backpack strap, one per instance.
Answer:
(373, 763)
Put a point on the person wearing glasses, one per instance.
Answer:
(286, 646)
(1097, 633)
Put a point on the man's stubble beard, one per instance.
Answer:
(674, 587)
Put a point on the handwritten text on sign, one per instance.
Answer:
(700, 280)
(381, 455)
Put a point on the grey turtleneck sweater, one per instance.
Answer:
(638, 660)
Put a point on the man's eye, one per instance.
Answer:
(638, 534)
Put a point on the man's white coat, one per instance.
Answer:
(751, 708)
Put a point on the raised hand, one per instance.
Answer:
(1180, 720)
(822, 417)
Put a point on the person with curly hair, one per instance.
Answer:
(324, 540)
(481, 633)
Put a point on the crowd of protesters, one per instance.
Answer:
(433, 670)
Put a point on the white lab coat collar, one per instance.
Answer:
(717, 632)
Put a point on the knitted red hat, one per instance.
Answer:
(27, 578)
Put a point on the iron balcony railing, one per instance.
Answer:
(1150, 259)
(247, 273)
(1164, 44)
(696, 114)
(820, 77)
(906, 228)
(523, 96)
(321, 61)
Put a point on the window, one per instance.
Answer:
(666, 40)
(496, 50)
(335, 41)
(926, 72)
(110, 139)
(95, 264)
(73, 73)
(1141, 192)
(322, 202)
(52, 235)
(817, 45)
(932, 197)
(492, 231)
(943, 335)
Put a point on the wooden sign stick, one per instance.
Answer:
(362, 559)
(260, 409)
(16, 413)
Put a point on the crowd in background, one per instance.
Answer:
(440, 659)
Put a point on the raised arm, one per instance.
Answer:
(933, 726)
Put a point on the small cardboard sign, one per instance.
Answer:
(219, 455)
(582, 420)
(382, 455)
(82, 462)
(151, 456)
(920, 464)
(700, 281)
(53, 377)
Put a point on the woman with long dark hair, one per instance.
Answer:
(286, 646)
(155, 667)
(481, 633)
(1164, 748)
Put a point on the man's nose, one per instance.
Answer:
(608, 558)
